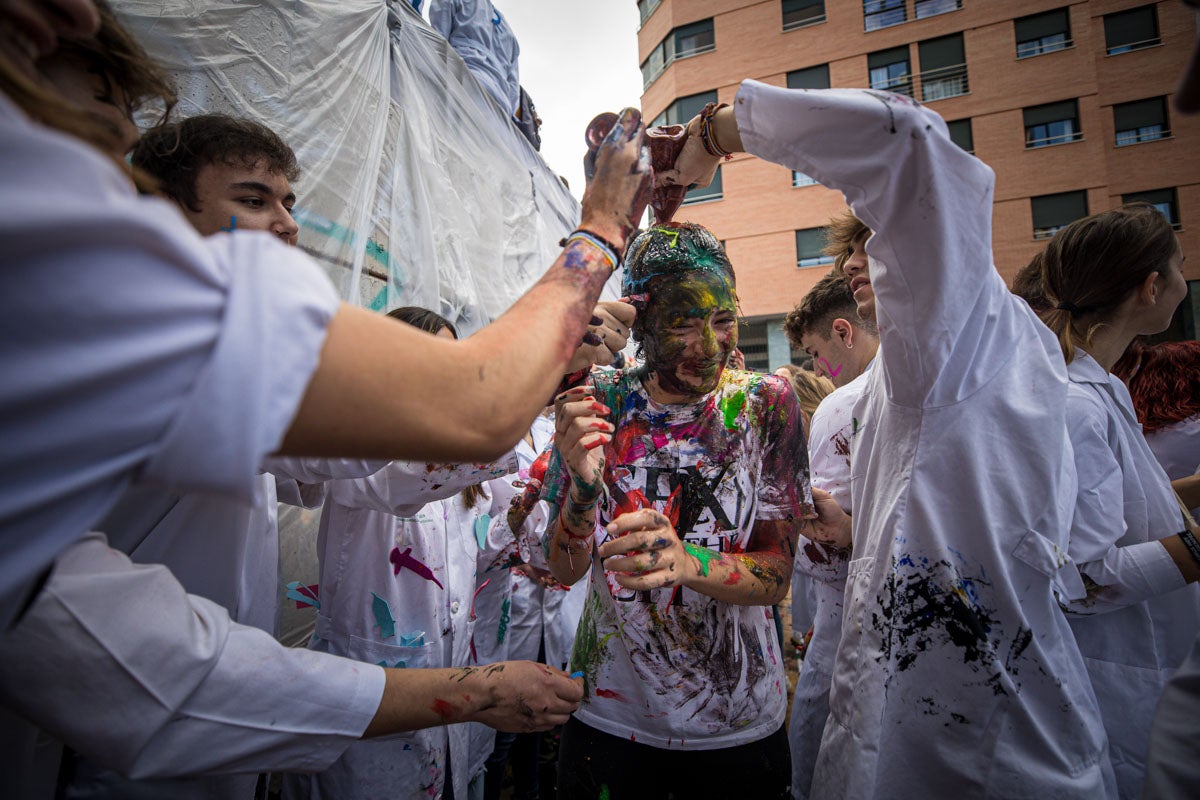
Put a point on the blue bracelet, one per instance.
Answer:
(600, 244)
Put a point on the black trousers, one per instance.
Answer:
(594, 765)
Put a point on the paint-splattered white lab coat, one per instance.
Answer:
(1139, 618)
(957, 673)
(397, 588)
(825, 567)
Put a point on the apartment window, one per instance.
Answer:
(809, 244)
(800, 179)
(686, 40)
(882, 14)
(1053, 211)
(683, 109)
(1141, 121)
(943, 68)
(960, 134)
(1131, 30)
(931, 8)
(1053, 123)
(1043, 33)
(799, 13)
(1165, 200)
(710, 192)
(646, 8)
(889, 70)
(811, 78)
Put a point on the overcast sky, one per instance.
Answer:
(578, 58)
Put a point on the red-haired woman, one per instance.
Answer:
(1166, 395)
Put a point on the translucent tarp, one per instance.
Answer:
(417, 189)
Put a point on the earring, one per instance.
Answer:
(849, 345)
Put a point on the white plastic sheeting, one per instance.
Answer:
(417, 189)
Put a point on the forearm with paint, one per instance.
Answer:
(758, 577)
(571, 539)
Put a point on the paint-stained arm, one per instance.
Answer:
(645, 552)
(383, 390)
(575, 481)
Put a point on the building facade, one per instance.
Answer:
(1068, 102)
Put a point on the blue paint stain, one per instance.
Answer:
(383, 617)
(481, 530)
(232, 225)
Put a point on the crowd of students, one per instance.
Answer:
(968, 497)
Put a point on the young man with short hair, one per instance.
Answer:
(225, 173)
(837, 327)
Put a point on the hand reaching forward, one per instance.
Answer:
(646, 553)
(617, 196)
(607, 335)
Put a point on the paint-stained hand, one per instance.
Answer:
(522, 504)
(581, 431)
(737, 359)
(616, 198)
(607, 334)
(645, 552)
(694, 164)
(524, 697)
(832, 525)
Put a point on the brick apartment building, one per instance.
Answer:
(1069, 103)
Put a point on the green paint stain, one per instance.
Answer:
(703, 555)
(671, 234)
(604, 794)
(731, 407)
(501, 631)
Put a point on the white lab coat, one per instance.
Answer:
(484, 40)
(824, 569)
(370, 611)
(1139, 619)
(957, 673)
(227, 551)
(1177, 448)
(163, 359)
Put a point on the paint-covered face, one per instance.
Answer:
(691, 330)
(829, 357)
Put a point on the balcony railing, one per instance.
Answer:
(1139, 45)
(938, 84)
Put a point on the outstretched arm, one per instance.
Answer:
(382, 390)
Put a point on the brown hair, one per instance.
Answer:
(840, 235)
(1092, 265)
(175, 153)
(810, 390)
(1027, 285)
(830, 299)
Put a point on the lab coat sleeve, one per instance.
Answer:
(301, 481)
(1116, 576)
(929, 204)
(403, 487)
(822, 562)
(118, 662)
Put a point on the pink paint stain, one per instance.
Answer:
(401, 560)
(833, 373)
(612, 694)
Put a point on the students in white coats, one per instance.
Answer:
(837, 328)
(1106, 279)
(169, 360)
(956, 673)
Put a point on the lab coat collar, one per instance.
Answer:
(1086, 370)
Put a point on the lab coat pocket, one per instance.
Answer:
(1048, 559)
(414, 656)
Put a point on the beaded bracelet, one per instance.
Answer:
(600, 243)
(708, 137)
(1192, 545)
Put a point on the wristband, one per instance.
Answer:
(1192, 545)
(603, 245)
(708, 137)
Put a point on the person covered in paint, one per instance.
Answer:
(682, 485)
(225, 173)
(1108, 278)
(169, 359)
(836, 326)
(957, 672)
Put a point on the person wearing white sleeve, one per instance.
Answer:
(836, 327)
(1106, 279)
(169, 359)
(484, 40)
(956, 672)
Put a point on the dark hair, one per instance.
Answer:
(663, 253)
(1091, 266)
(840, 235)
(1166, 388)
(423, 318)
(1027, 285)
(830, 299)
(176, 152)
